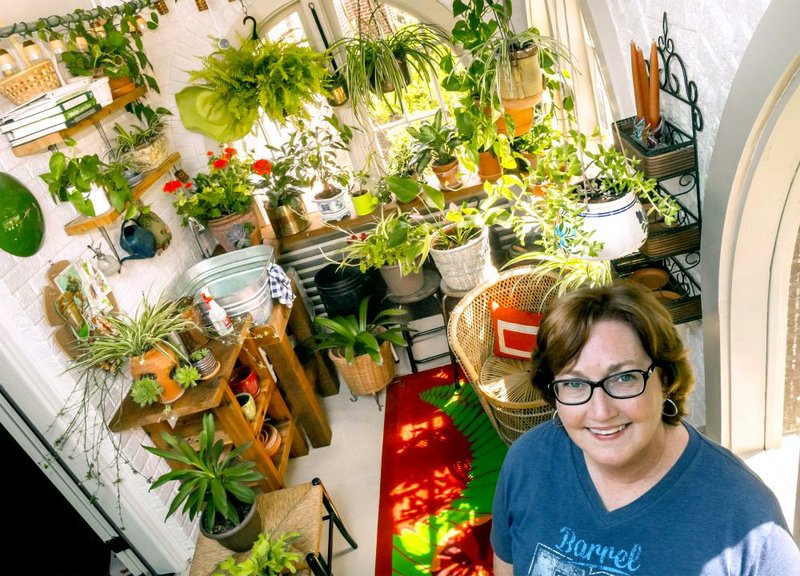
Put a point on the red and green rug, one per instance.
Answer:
(441, 459)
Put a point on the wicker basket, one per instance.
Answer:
(363, 376)
(24, 86)
(465, 267)
(150, 156)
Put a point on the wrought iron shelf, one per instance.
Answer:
(674, 166)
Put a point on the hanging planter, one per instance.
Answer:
(521, 79)
(201, 5)
(161, 7)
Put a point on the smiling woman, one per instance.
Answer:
(622, 467)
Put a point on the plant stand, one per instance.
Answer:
(674, 166)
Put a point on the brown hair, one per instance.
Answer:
(566, 325)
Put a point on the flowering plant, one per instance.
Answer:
(227, 188)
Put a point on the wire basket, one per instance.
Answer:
(24, 86)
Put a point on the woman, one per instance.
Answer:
(617, 483)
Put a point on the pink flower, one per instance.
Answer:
(262, 167)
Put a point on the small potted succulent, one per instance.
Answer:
(204, 361)
(186, 375)
(146, 390)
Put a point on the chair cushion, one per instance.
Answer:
(514, 331)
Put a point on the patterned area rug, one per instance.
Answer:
(441, 458)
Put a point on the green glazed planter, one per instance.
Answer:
(21, 219)
(364, 203)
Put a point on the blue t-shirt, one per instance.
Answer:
(709, 515)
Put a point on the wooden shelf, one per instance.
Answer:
(84, 224)
(41, 144)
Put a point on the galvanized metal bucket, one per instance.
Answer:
(238, 281)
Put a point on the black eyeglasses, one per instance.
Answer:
(622, 385)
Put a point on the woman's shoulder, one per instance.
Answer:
(541, 440)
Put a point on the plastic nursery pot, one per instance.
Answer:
(243, 379)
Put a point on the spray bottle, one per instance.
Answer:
(216, 313)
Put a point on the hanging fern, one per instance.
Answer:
(279, 77)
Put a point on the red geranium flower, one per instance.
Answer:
(230, 152)
(262, 167)
(187, 185)
(220, 163)
(172, 185)
(210, 153)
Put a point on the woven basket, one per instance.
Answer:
(675, 158)
(464, 267)
(363, 376)
(471, 338)
(24, 86)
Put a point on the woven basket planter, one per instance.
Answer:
(464, 267)
(363, 376)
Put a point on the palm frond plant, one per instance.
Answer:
(214, 482)
(361, 349)
(225, 96)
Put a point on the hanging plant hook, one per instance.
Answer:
(254, 33)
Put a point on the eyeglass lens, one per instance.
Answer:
(623, 385)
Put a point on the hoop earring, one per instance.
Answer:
(669, 402)
(556, 420)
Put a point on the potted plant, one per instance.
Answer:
(284, 206)
(186, 375)
(89, 184)
(214, 485)
(364, 201)
(317, 158)
(377, 61)
(360, 349)
(268, 557)
(112, 49)
(222, 198)
(435, 144)
(397, 245)
(146, 390)
(144, 339)
(144, 145)
(204, 361)
(280, 78)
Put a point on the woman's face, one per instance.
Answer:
(617, 435)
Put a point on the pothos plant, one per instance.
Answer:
(113, 46)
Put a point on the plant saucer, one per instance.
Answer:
(462, 179)
(212, 374)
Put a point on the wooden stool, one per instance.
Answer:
(303, 509)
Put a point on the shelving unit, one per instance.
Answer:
(43, 143)
(84, 224)
(217, 397)
(674, 166)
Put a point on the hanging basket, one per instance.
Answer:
(521, 81)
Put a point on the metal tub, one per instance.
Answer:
(238, 281)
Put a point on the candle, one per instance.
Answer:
(637, 89)
(655, 112)
(643, 83)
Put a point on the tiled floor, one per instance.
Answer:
(350, 467)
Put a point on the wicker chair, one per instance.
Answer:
(503, 385)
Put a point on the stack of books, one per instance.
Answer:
(51, 112)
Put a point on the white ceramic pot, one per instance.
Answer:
(333, 208)
(621, 225)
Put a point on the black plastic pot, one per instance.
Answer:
(342, 290)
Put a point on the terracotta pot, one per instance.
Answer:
(159, 363)
(236, 231)
(489, 166)
(521, 83)
(286, 221)
(523, 121)
(447, 174)
(120, 86)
